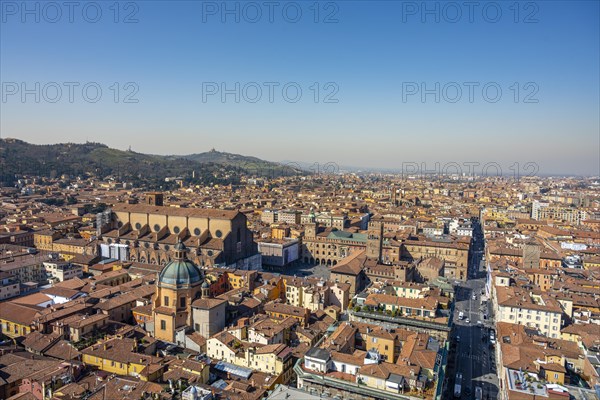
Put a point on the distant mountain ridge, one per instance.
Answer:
(18, 157)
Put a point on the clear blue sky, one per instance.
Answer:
(374, 54)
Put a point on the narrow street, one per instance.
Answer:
(474, 354)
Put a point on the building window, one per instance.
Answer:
(218, 233)
(182, 302)
(166, 301)
(163, 325)
(197, 232)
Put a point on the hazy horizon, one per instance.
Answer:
(382, 83)
(412, 167)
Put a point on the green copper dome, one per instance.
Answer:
(181, 271)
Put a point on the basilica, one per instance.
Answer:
(180, 300)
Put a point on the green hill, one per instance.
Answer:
(252, 165)
(19, 158)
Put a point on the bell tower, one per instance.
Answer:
(205, 290)
(154, 199)
(310, 230)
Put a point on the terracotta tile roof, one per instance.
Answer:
(120, 350)
(357, 358)
(351, 265)
(375, 299)
(176, 211)
(17, 313)
(63, 350)
(285, 309)
(207, 303)
(39, 342)
(16, 366)
(32, 299)
(276, 349)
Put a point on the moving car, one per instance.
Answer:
(461, 315)
(457, 383)
(478, 393)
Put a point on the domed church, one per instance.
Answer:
(179, 283)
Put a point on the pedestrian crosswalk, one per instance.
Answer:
(475, 357)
